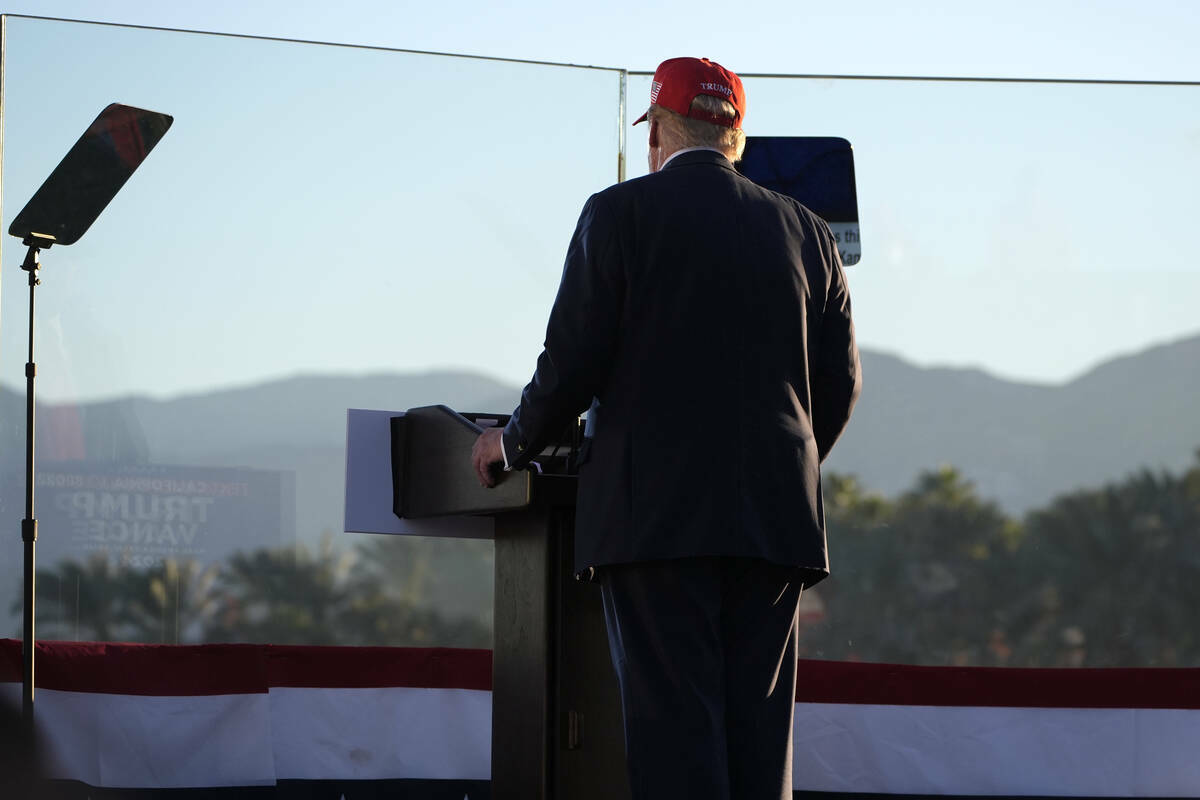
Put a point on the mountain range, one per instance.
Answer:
(1021, 444)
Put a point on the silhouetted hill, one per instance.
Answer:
(304, 411)
(909, 419)
(301, 411)
(1136, 409)
(1021, 443)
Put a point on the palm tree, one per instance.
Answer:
(452, 577)
(98, 599)
(1119, 572)
(289, 596)
(920, 579)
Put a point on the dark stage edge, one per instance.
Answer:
(284, 790)
(423, 790)
(881, 796)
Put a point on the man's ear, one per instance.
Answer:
(653, 132)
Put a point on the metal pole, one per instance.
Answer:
(29, 524)
(622, 103)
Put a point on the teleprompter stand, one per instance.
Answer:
(60, 212)
(36, 242)
(556, 715)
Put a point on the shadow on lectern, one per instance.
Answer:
(432, 472)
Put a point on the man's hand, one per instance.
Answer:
(486, 452)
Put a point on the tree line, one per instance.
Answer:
(936, 575)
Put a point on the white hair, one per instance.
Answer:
(684, 131)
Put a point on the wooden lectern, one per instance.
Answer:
(556, 713)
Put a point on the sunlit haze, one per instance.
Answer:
(351, 211)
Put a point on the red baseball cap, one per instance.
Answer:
(677, 81)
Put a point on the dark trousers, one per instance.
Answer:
(705, 653)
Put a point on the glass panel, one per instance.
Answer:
(322, 228)
(327, 228)
(1020, 483)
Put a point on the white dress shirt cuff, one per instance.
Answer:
(507, 468)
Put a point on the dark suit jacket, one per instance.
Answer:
(711, 320)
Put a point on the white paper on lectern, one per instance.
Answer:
(369, 485)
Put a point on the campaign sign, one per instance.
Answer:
(816, 170)
(143, 515)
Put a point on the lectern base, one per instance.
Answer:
(556, 712)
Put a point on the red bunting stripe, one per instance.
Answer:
(891, 684)
(213, 669)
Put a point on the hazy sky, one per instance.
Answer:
(322, 210)
(1153, 39)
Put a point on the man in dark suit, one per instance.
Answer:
(710, 321)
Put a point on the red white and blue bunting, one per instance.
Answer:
(164, 717)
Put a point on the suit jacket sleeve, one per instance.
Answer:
(836, 370)
(581, 337)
